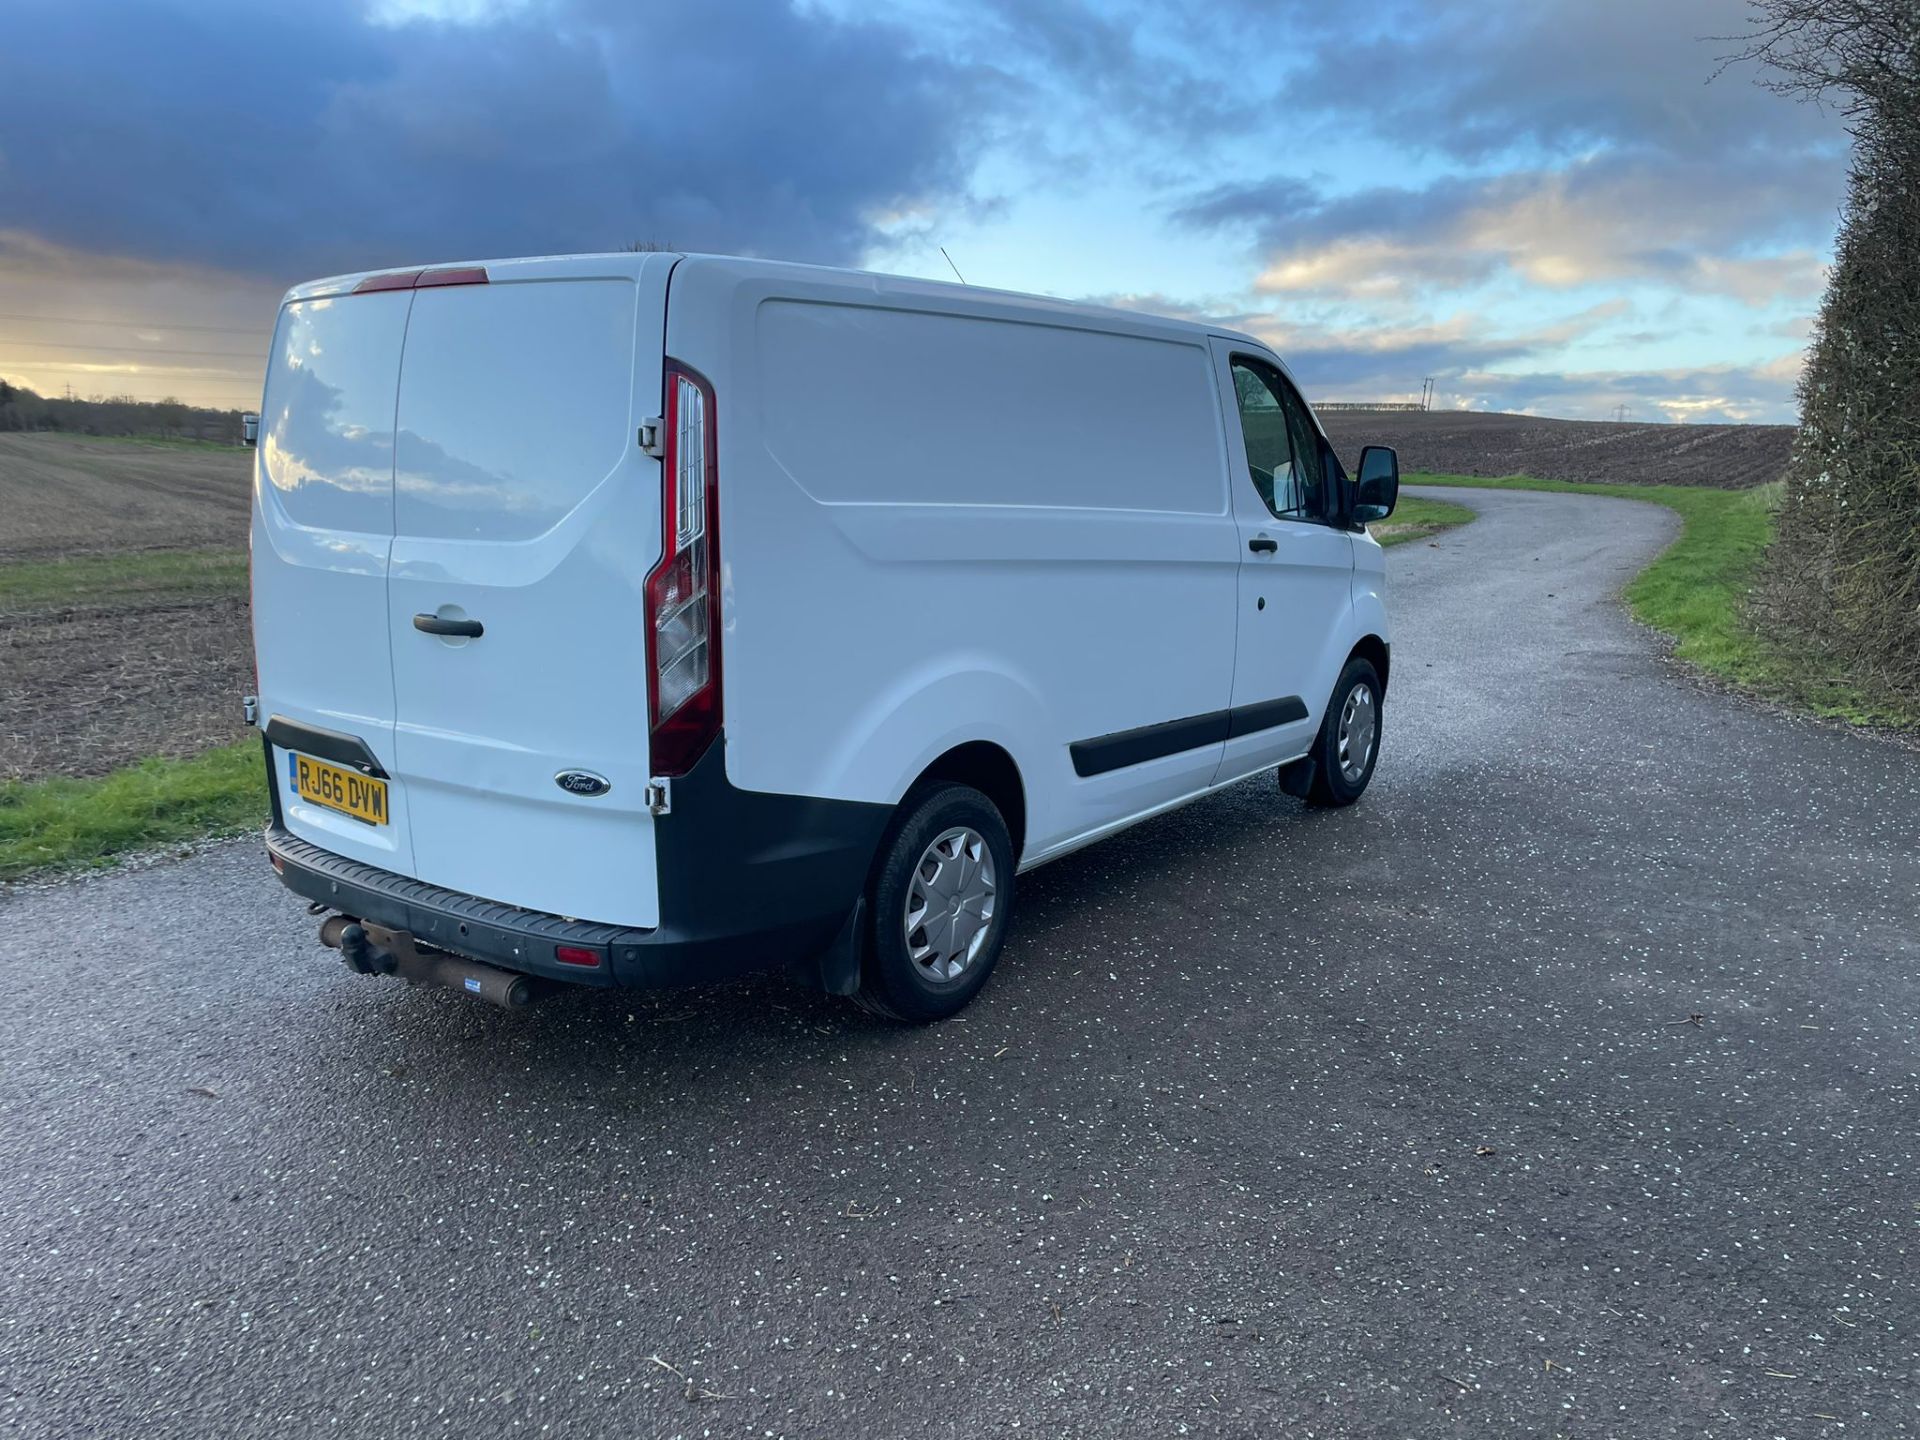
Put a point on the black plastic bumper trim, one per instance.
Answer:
(503, 935)
(747, 880)
(334, 745)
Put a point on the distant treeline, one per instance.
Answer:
(23, 409)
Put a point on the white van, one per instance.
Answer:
(642, 619)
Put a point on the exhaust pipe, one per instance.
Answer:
(376, 950)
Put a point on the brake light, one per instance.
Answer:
(453, 275)
(401, 280)
(423, 279)
(683, 590)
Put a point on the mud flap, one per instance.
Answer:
(837, 968)
(1296, 777)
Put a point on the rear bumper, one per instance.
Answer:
(748, 881)
(502, 935)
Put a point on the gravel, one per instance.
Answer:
(1564, 1086)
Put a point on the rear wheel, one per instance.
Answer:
(1349, 741)
(937, 906)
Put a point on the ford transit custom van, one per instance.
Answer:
(645, 619)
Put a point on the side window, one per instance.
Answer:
(1283, 449)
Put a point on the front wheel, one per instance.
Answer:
(1349, 741)
(938, 905)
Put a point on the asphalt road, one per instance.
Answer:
(1392, 1121)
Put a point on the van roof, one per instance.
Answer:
(628, 263)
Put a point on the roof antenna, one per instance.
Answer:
(951, 266)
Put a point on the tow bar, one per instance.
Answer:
(376, 950)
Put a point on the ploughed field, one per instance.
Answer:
(1478, 442)
(123, 617)
(123, 613)
(66, 495)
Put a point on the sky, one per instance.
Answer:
(1561, 207)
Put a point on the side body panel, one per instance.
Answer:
(950, 517)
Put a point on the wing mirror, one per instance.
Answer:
(1377, 490)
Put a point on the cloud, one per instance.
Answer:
(1738, 394)
(1481, 366)
(1611, 218)
(1117, 66)
(292, 140)
(1378, 359)
(1356, 362)
(1562, 75)
(1259, 204)
(113, 325)
(1540, 152)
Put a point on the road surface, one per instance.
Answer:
(1565, 1086)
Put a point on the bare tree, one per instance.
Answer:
(1860, 54)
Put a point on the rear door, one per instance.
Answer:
(524, 506)
(1296, 565)
(322, 531)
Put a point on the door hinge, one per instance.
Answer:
(250, 709)
(653, 436)
(659, 796)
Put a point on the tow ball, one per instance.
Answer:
(377, 950)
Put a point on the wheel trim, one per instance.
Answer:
(1359, 724)
(950, 904)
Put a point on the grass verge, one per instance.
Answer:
(136, 577)
(1417, 517)
(62, 823)
(1696, 591)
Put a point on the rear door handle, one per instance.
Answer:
(434, 625)
(1260, 545)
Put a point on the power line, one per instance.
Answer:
(195, 402)
(134, 324)
(147, 349)
(105, 382)
(217, 374)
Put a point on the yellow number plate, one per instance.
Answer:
(337, 788)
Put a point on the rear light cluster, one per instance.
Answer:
(683, 590)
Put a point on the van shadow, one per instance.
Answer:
(767, 1027)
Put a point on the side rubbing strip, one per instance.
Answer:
(1170, 737)
(1247, 719)
(1149, 742)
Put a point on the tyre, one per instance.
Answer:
(938, 905)
(1349, 741)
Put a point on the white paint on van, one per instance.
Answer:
(947, 515)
